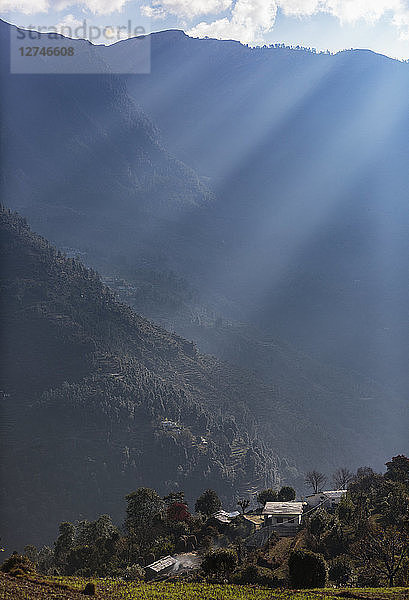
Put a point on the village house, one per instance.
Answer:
(283, 513)
(222, 517)
(161, 567)
(327, 499)
(256, 521)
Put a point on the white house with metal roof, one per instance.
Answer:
(328, 499)
(281, 513)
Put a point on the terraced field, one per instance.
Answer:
(56, 588)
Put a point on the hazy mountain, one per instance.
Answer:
(85, 164)
(89, 387)
(98, 401)
(307, 155)
(304, 232)
(226, 261)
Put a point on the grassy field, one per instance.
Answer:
(53, 588)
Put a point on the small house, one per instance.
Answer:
(328, 499)
(224, 517)
(256, 521)
(161, 567)
(282, 513)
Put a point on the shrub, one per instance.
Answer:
(256, 575)
(341, 570)
(206, 543)
(133, 573)
(162, 546)
(178, 529)
(307, 570)
(268, 495)
(319, 523)
(180, 545)
(191, 543)
(368, 579)
(219, 562)
(247, 575)
(268, 564)
(18, 565)
(89, 589)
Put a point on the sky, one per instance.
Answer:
(379, 25)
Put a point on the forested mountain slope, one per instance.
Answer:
(87, 385)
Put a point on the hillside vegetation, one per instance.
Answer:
(98, 401)
(88, 387)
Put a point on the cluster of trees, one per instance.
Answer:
(285, 494)
(154, 526)
(363, 542)
(366, 540)
(341, 478)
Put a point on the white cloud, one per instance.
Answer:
(351, 11)
(102, 7)
(31, 7)
(26, 7)
(249, 20)
(186, 9)
(244, 20)
(301, 8)
(401, 21)
(68, 26)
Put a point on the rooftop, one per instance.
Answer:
(162, 563)
(283, 508)
(257, 520)
(329, 494)
(225, 517)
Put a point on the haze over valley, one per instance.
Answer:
(204, 274)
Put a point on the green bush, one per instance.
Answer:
(205, 544)
(307, 570)
(18, 565)
(267, 563)
(286, 494)
(256, 575)
(219, 562)
(133, 573)
(341, 570)
(369, 579)
(89, 589)
(162, 546)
